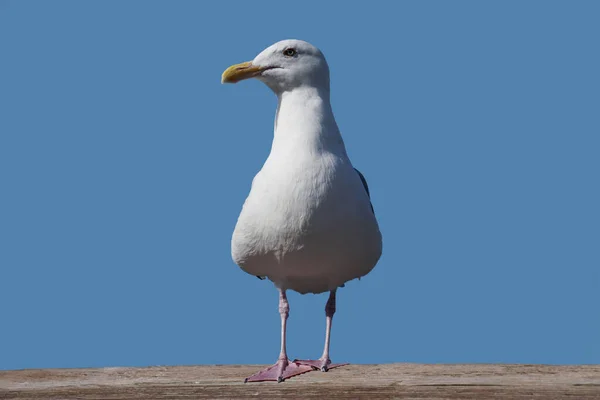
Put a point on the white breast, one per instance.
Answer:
(308, 227)
(307, 223)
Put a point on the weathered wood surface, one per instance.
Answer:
(398, 381)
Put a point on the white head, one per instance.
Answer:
(284, 66)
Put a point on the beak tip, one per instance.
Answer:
(226, 79)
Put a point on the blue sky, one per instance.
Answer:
(124, 164)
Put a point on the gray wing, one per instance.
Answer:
(364, 182)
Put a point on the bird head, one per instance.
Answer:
(284, 66)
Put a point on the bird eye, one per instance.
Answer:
(289, 52)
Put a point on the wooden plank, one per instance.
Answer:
(398, 381)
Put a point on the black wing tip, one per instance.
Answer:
(364, 182)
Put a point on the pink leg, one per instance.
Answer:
(324, 363)
(283, 368)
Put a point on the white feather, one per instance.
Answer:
(307, 223)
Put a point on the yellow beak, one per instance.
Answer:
(239, 72)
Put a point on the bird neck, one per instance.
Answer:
(305, 119)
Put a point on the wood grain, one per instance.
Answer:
(386, 381)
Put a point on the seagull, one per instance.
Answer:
(308, 224)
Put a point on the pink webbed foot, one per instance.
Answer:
(280, 371)
(322, 364)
